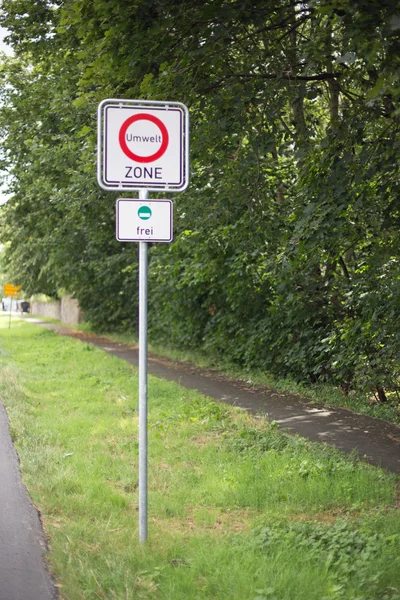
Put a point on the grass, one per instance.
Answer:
(318, 393)
(237, 509)
(328, 395)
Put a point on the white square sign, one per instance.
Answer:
(143, 145)
(144, 221)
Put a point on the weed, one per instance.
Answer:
(344, 552)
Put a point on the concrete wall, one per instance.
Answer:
(50, 310)
(66, 310)
(71, 314)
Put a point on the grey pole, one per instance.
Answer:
(143, 462)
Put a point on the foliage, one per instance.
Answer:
(3, 276)
(286, 252)
(341, 549)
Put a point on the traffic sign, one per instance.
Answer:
(143, 145)
(10, 289)
(144, 221)
(144, 213)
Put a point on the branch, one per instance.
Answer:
(287, 77)
(344, 268)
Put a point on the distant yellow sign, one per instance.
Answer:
(11, 290)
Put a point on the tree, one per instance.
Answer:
(286, 253)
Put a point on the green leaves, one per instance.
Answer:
(292, 210)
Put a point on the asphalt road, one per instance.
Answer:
(23, 573)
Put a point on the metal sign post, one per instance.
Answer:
(143, 460)
(143, 145)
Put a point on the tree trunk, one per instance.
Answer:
(381, 394)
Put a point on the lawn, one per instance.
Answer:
(237, 509)
(361, 402)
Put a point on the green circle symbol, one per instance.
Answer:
(144, 213)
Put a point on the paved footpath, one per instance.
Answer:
(376, 441)
(23, 574)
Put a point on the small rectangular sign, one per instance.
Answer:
(11, 290)
(144, 221)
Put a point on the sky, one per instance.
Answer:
(3, 46)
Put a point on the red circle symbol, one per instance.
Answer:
(128, 151)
